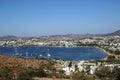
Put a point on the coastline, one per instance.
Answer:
(109, 54)
(106, 52)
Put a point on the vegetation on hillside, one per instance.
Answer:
(107, 73)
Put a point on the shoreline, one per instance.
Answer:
(109, 54)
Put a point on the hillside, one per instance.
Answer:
(9, 37)
(29, 68)
(115, 33)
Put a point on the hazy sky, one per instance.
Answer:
(49, 17)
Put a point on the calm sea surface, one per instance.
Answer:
(77, 53)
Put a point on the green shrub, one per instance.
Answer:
(6, 74)
(24, 75)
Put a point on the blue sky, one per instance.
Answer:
(51, 17)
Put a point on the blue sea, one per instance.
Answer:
(75, 53)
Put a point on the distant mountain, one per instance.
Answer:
(116, 33)
(58, 37)
(9, 37)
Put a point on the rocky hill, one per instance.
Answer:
(116, 33)
(9, 37)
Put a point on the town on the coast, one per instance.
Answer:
(59, 39)
(57, 69)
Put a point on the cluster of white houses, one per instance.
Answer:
(85, 66)
(79, 65)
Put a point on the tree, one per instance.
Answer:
(6, 74)
(81, 76)
(116, 73)
(111, 59)
(78, 76)
(76, 68)
(103, 73)
(24, 75)
(40, 73)
(61, 71)
(70, 64)
(117, 52)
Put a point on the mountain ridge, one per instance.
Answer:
(115, 33)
